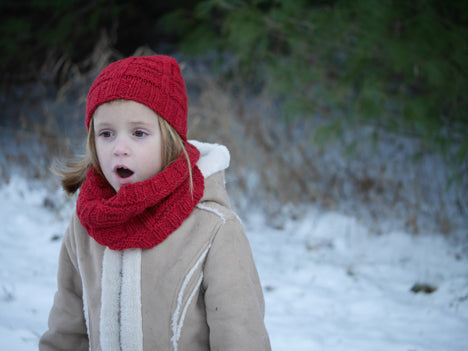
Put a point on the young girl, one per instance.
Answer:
(153, 259)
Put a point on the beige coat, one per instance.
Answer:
(198, 290)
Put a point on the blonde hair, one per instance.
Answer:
(73, 172)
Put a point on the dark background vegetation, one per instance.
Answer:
(398, 67)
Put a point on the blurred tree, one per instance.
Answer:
(34, 31)
(397, 65)
(31, 31)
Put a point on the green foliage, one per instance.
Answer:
(400, 66)
(34, 32)
(31, 30)
(397, 65)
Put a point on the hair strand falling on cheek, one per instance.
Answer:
(172, 147)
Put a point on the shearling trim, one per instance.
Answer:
(131, 324)
(212, 210)
(86, 313)
(213, 157)
(85, 302)
(177, 318)
(110, 300)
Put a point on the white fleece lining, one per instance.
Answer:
(85, 302)
(212, 210)
(187, 304)
(86, 314)
(178, 323)
(131, 328)
(110, 300)
(213, 157)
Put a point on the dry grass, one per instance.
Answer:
(274, 166)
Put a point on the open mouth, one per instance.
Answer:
(123, 172)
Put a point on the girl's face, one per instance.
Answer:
(128, 142)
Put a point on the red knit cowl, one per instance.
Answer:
(140, 215)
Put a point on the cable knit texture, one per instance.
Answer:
(154, 81)
(143, 214)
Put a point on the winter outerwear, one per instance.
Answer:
(143, 214)
(197, 290)
(155, 81)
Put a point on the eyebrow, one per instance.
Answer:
(140, 122)
(101, 124)
(136, 122)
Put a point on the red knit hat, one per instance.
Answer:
(155, 81)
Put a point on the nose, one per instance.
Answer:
(121, 147)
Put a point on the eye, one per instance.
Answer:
(105, 134)
(140, 133)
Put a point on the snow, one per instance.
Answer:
(329, 282)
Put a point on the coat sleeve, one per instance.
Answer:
(233, 294)
(67, 326)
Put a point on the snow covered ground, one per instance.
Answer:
(329, 283)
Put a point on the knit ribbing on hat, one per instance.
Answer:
(154, 81)
(143, 214)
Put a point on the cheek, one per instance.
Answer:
(101, 153)
(153, 160)
(157, 155)
(156, 161)
(159, 163)
(98, 150)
